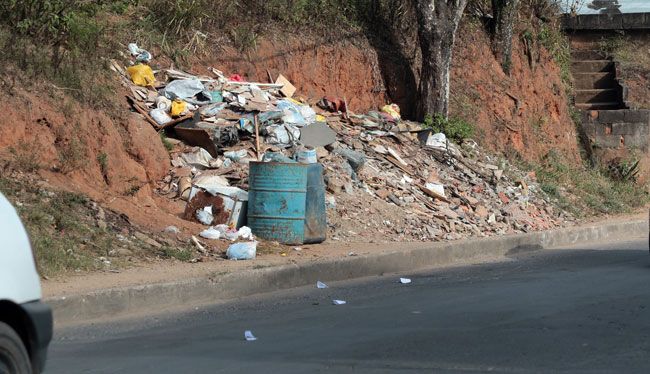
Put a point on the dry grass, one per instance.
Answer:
(66, 237)
(585, 191)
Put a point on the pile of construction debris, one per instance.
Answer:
(387, 179)
(408, 190)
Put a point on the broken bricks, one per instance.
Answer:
(444, 191)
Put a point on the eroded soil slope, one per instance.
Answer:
(526, 112)
(116, 157)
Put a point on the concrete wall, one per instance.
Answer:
(618, 128)
(619, 134)
(628, 21)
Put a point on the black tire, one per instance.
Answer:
(13, 355)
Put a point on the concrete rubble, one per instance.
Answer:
(387, 179)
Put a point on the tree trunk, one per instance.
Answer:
(438, 21)
(503, 23)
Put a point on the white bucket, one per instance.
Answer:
(307, 156)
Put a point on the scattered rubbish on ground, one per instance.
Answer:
(242, 251)
(405, 280)
(140, 54)
(211, 233)
(321, 285)
(381, 177)
(199, 246)
(141, 75)
(339, 302)
(248, 335)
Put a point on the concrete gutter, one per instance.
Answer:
(155, 298)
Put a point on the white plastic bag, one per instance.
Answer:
(205, 215)
(242, 251)
(236, 156)
(282, 135)
(245, 233)
(184, 89)
(160, 116)
(198, 157)
(211, 234)
(140, 54)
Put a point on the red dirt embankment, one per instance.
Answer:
(526, 112)
(66, 142)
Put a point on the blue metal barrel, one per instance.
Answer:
(276, 201)
(315, 211)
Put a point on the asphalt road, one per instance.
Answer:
(572, 310)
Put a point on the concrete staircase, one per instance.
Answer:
(596, 87)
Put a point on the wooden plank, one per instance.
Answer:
(394, 161)
(426, 203)
(397, 156)
(176, 121)
(287, 89)
(257, 138)
(144, 112)
(260, 85)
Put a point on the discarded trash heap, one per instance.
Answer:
(371, 162)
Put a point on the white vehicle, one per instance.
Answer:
(25, 321)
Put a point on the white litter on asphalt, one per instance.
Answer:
(249, 336)
(339, 302)
(405, 280)
(321, 285)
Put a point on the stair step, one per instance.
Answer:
(578, 55)
(600, 106)
(597, 96)
(586, 81)
(592, 66)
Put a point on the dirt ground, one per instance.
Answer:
(166, 271)
(116, 158)
(526, 113)
(70, 139)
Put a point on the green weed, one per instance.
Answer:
(181, 254)
(175, 17)
(244, 38)
(538, 123)
(63, 236)
(166, 143)
(102, 159)
(131, 191)
(611, 45)
(454, 128)
(624, 170)
(585, 191)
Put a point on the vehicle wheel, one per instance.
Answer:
(13, 355)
